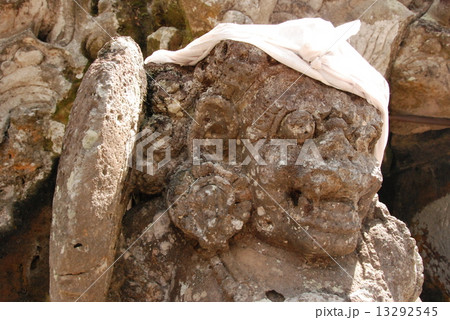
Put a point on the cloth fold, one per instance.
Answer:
(312, 46)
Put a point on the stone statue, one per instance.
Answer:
(255, 223)
(228, 229)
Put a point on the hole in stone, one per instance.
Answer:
(225, 49)
(43, 34)
(78, 245)
(94, 7)
(294, 195)
(34, 262)
(274, 296)
(197, 246)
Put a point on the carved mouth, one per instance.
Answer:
(338, 217)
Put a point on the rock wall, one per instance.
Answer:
(46, 46)
(42, 61)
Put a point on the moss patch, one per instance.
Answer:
(135, 21)
(64, 106)
(168, 14)
(139, 18)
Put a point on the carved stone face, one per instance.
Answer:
(312, 205)
(239, 94)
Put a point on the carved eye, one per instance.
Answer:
(298, 125)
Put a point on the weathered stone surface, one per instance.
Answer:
(381, 33)
(90, 197)
(24, 251)
(420, 152)
(160, 246)
(203, 15)
(32, 80)
(420, 78)
(36, 75)
(439, 12)
(43, 44)
(419, 179)
(167, 38)
(419, 7)
(429, 227)
(41, 64)
(17, 16)
(234, 16)
(233, 231)
(70, 38)
(60, 22)
(382, 24)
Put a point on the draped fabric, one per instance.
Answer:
(312, 46)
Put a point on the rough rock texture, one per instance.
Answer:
(37, 81)
(45, 46)
(224, 231)
(202, 15)
(420, 78)
(17, 16)
(419, 152)
(90, 197)
(40, 67)
(382, 24)
(24, 252)
(435, 245)
(167, 38)
(381, 33)
(417, 181)
(30, 85)
(69, 39)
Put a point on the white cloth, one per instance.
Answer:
(311, 46)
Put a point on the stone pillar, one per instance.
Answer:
(89, 200)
